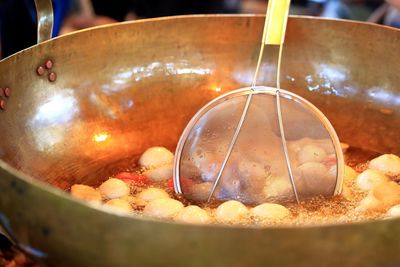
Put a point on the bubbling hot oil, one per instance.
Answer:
(316, 211)
(321, 210)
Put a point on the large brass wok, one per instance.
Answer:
(136, 85)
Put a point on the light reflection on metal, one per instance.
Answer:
(138, 73)
(103, 104)
(382, 95)
(51, 118)
(33, 251)
(323, 83)
(101, 137)
(267, 73)
(58, 109)
(198, 71)
(333, 73)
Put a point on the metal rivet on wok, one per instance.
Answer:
(52, 76)
(40, 70)
(2, 104)
(48, 64)
(7, 91)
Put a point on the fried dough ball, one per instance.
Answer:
(368, 179)
(370, 203)
(270, 211)
(192, 214)
(278, 188)
(347, 193)
(297, 145)
(204, 163)
(152, 193)
(388, 193)
(317, 179)
(200, 192)
(159, 174)
(163, 208)
(86, 193)
(313, 170)
(119, 204)
(349, 175)
(231, 211)
(159, 162)
(155, 157)
(252, 180)
(114, 188)
(310, 153)
(394, 211)
(135, 201)
(381, 197)
(388, 164)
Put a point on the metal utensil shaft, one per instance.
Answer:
(45, 18)
(273, 34)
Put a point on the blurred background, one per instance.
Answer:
(18, 17)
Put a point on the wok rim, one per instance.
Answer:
(178, 17)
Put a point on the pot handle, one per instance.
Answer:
(45, 18)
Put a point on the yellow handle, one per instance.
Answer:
(275, 22)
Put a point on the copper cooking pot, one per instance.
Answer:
(138, 83)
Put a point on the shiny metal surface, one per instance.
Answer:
(45, 20)
(97, 116)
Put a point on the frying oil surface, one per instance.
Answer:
(369, 192)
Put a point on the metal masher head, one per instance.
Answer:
(259, 144)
